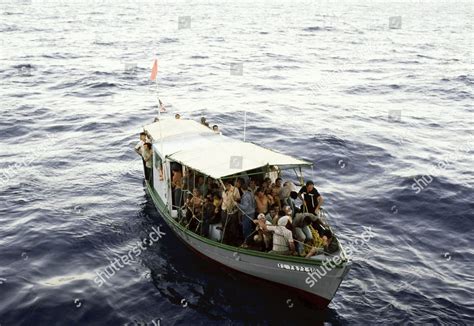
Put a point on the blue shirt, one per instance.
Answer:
(247, 204)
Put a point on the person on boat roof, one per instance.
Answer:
(139, 149)
(216, 130)
(312, 200)
(283, 243)
(204, 122)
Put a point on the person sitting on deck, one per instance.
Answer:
(148, 158)
(230, 221)
(262, 238)
(302, 232)
(330, 245)
(273, 215)
(283, 243)
(247, 206)
(312, 200)
(262, 201)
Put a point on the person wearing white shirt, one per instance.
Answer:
(283, 243)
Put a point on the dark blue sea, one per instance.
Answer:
(377, 94)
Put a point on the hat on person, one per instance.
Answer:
(261, 216)
(309, 182)
(283, 221)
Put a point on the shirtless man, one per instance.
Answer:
(262, 201)
(276, 188)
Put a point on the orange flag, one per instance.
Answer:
(154, 70)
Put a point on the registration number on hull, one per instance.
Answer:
(296, 268)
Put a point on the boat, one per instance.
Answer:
(188, 144)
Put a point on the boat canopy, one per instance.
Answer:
(192, 144)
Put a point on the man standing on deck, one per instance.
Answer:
(139, 149)
(247, 205)
(312, 200)
(230, 222)
(148, 158)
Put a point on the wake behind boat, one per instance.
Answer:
(201, 183)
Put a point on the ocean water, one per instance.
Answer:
(378, 94)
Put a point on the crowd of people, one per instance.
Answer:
(204, 122)
(254, 212)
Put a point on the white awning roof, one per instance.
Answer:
(196, 146)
